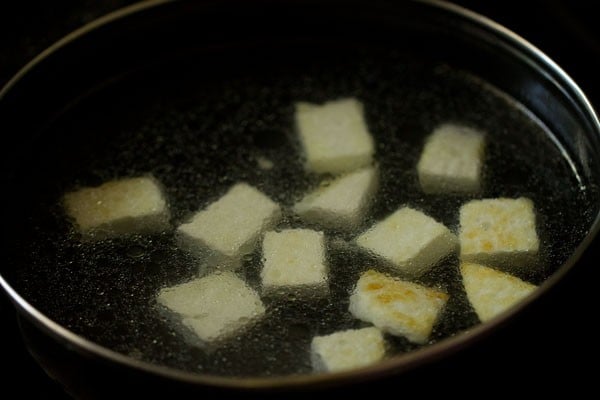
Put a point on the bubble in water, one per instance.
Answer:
(136, 251)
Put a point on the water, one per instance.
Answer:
(199, 128)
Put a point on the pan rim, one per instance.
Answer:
(392, 365)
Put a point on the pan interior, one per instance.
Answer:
(199, 123)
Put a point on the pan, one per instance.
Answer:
(194, 93)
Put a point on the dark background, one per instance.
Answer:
(545, 350)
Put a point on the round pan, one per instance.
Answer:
(118, 46)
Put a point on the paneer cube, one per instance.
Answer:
(397, 307)
(232, 225)
(490, 291)
(451, 160)
(294, 259)
(498, 232)
(213, 307)
(119, 207)
(341, 204)
(412, 241)
(334, 136)
(349, 349)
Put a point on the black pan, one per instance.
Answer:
(186, 90)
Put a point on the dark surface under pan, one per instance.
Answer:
(522, 340)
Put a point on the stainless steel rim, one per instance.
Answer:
(394, 364)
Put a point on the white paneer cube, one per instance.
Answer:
(119, 207)
(349, 349)
(342, 203)
(334, 136)
(397, 307)
(231, 226)
(451, 160)
(490, 291)
(499, 232)
(294, 258)
(412, 241)
(213, 307)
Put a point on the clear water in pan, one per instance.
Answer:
(199, 126)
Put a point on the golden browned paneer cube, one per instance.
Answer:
(396, 306)
(490, 291)
(499, 232)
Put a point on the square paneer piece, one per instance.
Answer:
(451, 160)
(342, 203)
(490, 291)
(334, 136)
(231, 226)
(213, 307)
(294, 258)
(352, 348)
(412, 241)
(499, 232)
(119, 207)
(397, 307)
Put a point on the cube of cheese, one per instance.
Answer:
(294, 258)
(334, 136)
(490, 291)
(231, 226)
(451, 160)
(412, 241)
(341, 204)
(352, 348)
(213, 307)
(499, 232)
(397, 307)
(119, 207)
